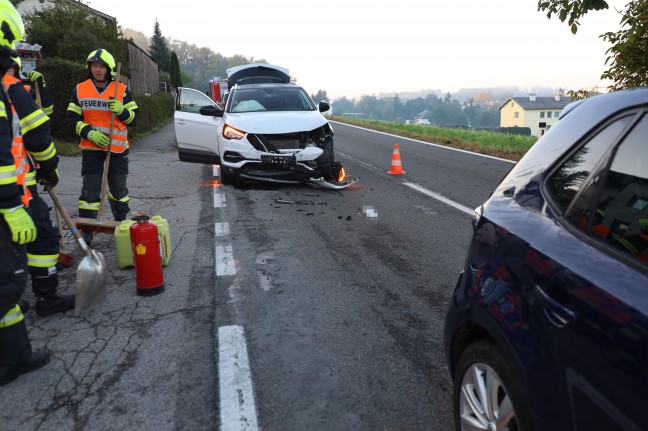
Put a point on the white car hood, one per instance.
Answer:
(275, 122)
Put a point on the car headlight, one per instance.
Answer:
(230, 132)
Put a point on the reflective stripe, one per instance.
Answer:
(75, 108)
(131, 117)
(33, 120)
(106, 130)
(79, 127)
(48, 110)
(30, 178)
(94, 206)
(42, 260)
(44, 155)
(8, 175)
(124, 199)
(12, 317)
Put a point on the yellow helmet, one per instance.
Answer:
(12, 29)
(104, 57)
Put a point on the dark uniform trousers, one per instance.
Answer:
(15, 347)
(45, 248)
(92, 166)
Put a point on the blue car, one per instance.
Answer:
(547, 328)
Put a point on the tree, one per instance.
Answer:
(320, 95)
(159, 49)
(70, 33)
(627, 59)
(176, 76)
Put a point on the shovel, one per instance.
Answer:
(91, 273)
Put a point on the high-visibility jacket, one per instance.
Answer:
(97, 114)
(10, 191)
(21, 159)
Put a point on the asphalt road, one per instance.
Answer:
(285, 307)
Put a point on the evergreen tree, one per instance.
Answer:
(159, 49)
(176, 76)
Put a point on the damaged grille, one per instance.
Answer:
(273, 143)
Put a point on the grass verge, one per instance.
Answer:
(511, 147)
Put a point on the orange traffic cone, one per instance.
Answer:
(396, 167)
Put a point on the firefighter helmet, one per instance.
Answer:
(12, 29)
(16, 59)
(103, 57)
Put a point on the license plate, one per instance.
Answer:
(278, 161)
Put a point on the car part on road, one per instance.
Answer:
(91, 290)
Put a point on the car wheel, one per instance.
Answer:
(227, 178)
(487, 396)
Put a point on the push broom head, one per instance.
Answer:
(94, 225)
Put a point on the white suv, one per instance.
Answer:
(269, 130)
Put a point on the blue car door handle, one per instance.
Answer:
(557, 313)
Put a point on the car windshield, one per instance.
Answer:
(269, 99)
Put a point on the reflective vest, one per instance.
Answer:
(97, 114)
(24, 174)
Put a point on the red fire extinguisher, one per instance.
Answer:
(147, 258)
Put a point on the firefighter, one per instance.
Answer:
(16, 225)
(32, 130)
(89, 113)
(37, 86)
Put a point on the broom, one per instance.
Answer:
(64, 258)
(99, 225)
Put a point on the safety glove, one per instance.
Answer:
(20, 224)
(47, 177)
(116, 106)
(99, 138)
(34, 76)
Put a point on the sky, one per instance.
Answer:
(352, 48)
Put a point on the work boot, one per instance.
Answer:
(24, 305)
(9, 373)
(54, 304)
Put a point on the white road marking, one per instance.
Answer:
(224, 260)
(439, 197)
(421, 189)
(221, 229)
(237, 407)
(219, 198)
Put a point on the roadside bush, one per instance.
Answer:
(524, 131)
(61, 76)
(154, 111)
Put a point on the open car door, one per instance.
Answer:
(196, 134)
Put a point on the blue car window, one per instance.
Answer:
(613, 207)
(571, 176)
(625, 194)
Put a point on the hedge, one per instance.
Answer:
(61, 76)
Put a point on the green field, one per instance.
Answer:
(511, 147)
